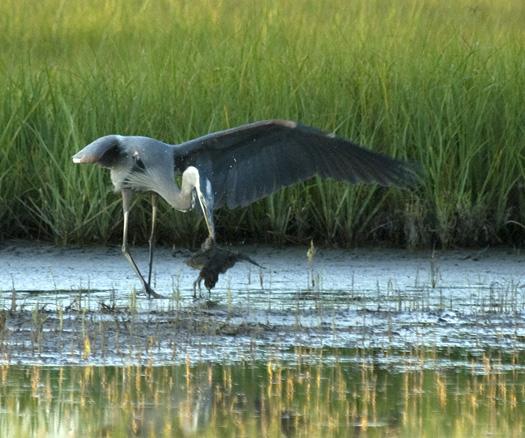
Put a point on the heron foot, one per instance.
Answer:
(151, 293)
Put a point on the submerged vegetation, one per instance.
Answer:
(440, 83)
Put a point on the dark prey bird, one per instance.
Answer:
(232, 168)
(214, 261)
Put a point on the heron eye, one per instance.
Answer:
(139, 164)
(111, 156)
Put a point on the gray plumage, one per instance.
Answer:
(250, 162)
(236, 167)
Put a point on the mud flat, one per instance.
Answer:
(83, 306)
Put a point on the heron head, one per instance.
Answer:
(104, 151)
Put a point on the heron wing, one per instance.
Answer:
(249, 162)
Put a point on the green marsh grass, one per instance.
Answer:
(439, 83)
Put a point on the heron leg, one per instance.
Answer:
(126, 204)
(152, 235)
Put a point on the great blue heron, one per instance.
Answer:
(232, 168)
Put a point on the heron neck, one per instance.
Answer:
(178, 198)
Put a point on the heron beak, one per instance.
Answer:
(81, 158)
(205, 209)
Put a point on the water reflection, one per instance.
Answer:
(259, 399)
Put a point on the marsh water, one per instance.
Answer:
(344, 343)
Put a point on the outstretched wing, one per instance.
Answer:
(249, 162)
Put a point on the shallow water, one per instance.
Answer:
(361, 299)
(420, 342)
(256, 399)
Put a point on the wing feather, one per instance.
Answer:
(254, 160)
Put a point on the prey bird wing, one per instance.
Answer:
(249, 162)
